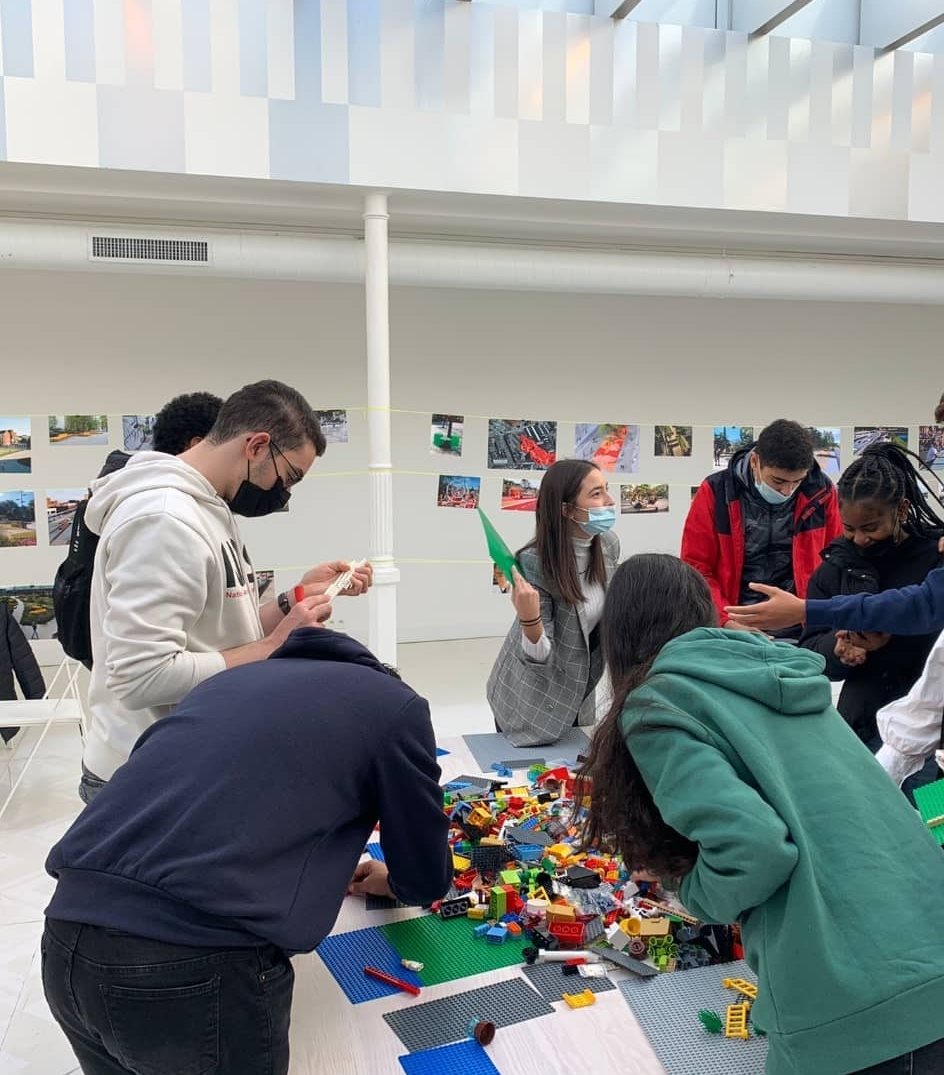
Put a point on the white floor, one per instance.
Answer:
(451, 675)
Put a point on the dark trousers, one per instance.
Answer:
(131, 1005)
(926, 1061)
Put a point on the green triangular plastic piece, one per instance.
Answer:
(501, 555)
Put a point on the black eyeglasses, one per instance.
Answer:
(294, 474)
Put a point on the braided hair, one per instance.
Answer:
(884, 473)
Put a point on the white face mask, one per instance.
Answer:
(771, 495)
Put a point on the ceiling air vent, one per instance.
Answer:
(166, 251)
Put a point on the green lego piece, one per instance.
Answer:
(711, 1021)
(510, 877)
(930, 803)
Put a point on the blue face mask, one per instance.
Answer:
(771, 495)
(599, 520)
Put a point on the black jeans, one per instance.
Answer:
(926, 1061)
(130, 1005)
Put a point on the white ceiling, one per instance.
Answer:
(77, 194)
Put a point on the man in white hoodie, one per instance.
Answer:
(173, 598)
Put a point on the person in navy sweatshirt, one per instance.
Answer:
(225, 844)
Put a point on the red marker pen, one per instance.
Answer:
(382, 976)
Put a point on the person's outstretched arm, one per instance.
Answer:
(912, 610)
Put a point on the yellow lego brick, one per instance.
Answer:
(580, 1000)
(478, 913)
(740, 985)
(558, 912)
(560, 851)
(460, 864)
(735, 1022)
(653, 927)
(490, 841)
(631, 926)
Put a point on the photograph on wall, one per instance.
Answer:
(517, 444)
(15, 445)
(519, 495)
(826, 443)
(17, 518)
(72, 429)
(446, 434)
(264, 580)
(60, 512)
(612, 448)
(728, 440)
(137, 432)
(458, 491)
(865, 436)
(333, 425)
(931, 446)
(499, 583)
(673, 441)
(32, 608)
(644, 499)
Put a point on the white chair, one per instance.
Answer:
(46, 711)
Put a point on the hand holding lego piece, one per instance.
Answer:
(337, 577)
(371, 879)
(848, 652)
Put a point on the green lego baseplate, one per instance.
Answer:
(448, 950)
(930, 803)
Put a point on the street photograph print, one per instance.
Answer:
(865, 436)
(60, 511)
(458, 491)
(728, 440)
(72, 429)
(445, 436)
(673, 441)
(644, 499)
(333, 425)
(32, 608)
(519, 444)
(826, 441)
(15, 445)
(137, 432)
(613, 448)
(17, 518)
(520, 495)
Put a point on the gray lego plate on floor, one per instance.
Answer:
(441, 1022)
(551, 982)
(490, 747)
(667, 1008)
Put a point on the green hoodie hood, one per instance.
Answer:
(779, 676)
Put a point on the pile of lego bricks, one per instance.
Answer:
(519, 870)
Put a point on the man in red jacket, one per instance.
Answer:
(767, 516)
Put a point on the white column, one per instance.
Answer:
(383, 596)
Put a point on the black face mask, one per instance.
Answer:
(878, 549)
(252, 501)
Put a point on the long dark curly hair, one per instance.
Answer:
(651, 599)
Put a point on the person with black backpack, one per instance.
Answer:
(173, 599)
(178, 426)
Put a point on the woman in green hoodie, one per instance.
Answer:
(723, 765)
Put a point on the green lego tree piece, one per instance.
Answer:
(930, 803)
(711, 1021)
(502, 556)
(448, 950)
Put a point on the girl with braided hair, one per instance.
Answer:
(890, 540)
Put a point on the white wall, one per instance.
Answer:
(124, 345)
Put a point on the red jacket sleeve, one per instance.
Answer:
(700, 546)
(833, 518)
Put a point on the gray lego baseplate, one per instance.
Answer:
(440, 1022)
(667, 1008)
(551, 982)
(490, 747)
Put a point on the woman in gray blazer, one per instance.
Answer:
(551, 661)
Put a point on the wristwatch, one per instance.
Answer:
(284, 603)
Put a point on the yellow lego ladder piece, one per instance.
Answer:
(580, 1000)
(741, 985)
(735, 1021)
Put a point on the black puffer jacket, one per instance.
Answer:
(16, 659)
(890, 672)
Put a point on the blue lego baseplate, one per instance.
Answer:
(667, 1008)
(463, 1058)
(347, 954)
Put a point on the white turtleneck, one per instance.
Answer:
(589, 610)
